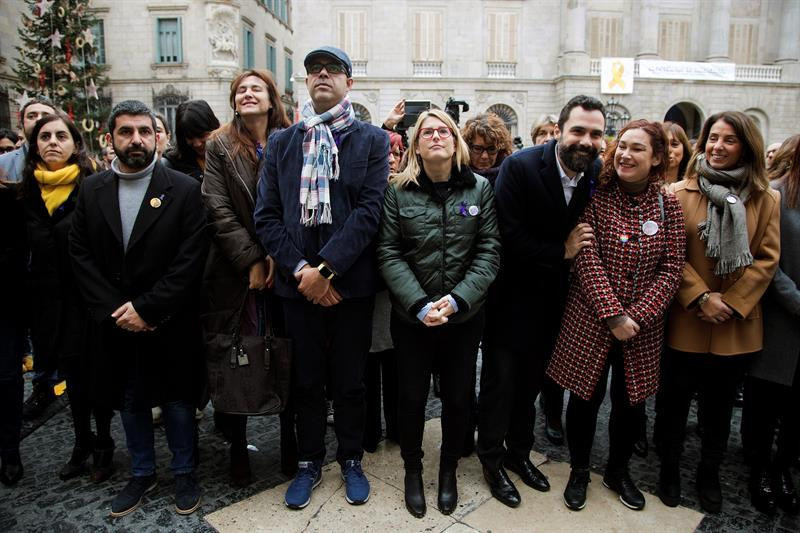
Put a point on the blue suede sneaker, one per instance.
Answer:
(309, 475)
(355, 482)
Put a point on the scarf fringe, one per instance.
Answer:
(732, 265)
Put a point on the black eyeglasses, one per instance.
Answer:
(478, 150)
(331, 68)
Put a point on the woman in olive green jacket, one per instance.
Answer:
(438, 251)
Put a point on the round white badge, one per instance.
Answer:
(473, 210)
(731, 199)
(650, 228)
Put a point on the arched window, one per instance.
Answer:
(362, 113)
(508, 115)
(166, 103)
(688, 116)
(761, 120)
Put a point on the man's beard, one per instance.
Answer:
(135, 162)
(575, 157)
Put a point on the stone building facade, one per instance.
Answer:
(525, 58)
(168, 51)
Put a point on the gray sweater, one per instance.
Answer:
(132, 188)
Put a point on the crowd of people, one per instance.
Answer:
(651, 265)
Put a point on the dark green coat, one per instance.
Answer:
(429, 245)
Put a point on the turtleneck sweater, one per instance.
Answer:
(131, 191)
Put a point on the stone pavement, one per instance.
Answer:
(41, 502)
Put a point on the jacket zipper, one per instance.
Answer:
(444, 243)
(236, 170)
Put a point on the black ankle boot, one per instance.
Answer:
(415, 493)
(448, 490)
(669, 484)
(787, 496)
(76, 464)
(709, 491)
(241, 475)
(103, 462)
(11, 470)
(762, 494)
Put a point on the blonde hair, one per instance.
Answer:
(413, 162)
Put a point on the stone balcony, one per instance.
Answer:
(427, 69)
(501, 69)
(359, 67)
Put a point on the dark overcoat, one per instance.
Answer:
(625, 272)
(57, 320)
(534, 221)
(160, 273)
(781, 305)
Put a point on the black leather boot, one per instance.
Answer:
(575, 493)
(76, 464)
(528, 473)
(762, 495)
(501, 486)
(415, 493)
(669, 484)
(709, 491)
(102, 463)
(787, 496)
(448, 490)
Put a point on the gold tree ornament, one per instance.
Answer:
(61, 90)
(88, 125)
(101, 140)
(79, 42)
(61, 12)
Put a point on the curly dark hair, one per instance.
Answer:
(492, 128)
(32, 159)
(658, 142)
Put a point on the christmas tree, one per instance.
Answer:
(59, 59)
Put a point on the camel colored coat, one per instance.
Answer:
(741, 291)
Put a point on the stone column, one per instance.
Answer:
(789, 43)
(719, 31)
(648, 30)
(575, 59)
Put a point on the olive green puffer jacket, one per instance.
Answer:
(436, 242)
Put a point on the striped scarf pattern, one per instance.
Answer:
(321, 160)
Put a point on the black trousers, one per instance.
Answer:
(78, 374)
(12, 346)
(623, 424)
(511, 379)
(715, 378)
(454, 349)
(773, 406)
(330, 348)
(380, 376)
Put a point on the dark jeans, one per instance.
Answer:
(180, 426)
(511, 379)
(330, 346)
(715, 378)
(454, 350)
(774, 406)
(380, 375)
(12, 346)
(622, 424)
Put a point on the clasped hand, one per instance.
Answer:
(438, 313)
(623, 327)
(315, 288)
(129, 320)
(262, 274)
(714, 310)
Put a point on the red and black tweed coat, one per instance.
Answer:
(625, 272)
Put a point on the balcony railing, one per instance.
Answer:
(501, 69)
(757, 73)
(360, 67)
(427, 69)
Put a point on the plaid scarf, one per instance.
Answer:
(321, 160)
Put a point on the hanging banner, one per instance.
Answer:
(686, 70)
(616, 75)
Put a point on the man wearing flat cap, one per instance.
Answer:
(320, 198)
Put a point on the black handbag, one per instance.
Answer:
(255, 378)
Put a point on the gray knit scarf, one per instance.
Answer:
(725, 228)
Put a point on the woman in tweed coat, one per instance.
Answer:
(614, 319)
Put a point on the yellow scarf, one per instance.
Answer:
(56, 185)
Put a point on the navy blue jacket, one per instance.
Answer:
(348, 243)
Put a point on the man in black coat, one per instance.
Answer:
(540, 194)
(138, 247)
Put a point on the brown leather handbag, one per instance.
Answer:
(255, 378)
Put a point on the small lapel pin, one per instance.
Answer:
(155, 203)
